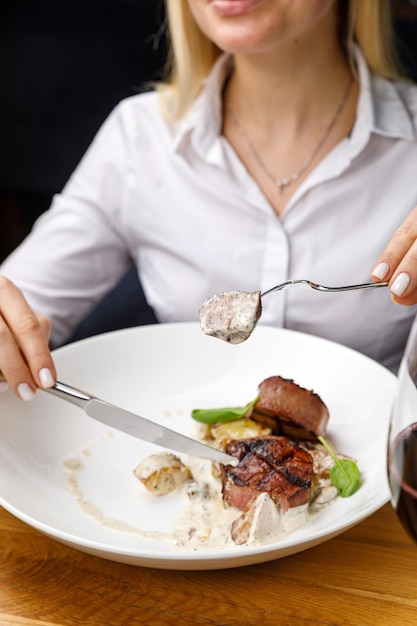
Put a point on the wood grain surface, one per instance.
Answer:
(364, 577)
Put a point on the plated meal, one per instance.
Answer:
(165, 372)
(284, 475)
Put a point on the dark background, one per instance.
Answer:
(64, 64)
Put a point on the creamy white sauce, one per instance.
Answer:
(205, 522)
(74, 466)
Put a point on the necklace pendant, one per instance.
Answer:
(280, 184)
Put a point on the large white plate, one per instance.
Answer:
(162, 372)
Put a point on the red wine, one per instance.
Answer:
(403, 479)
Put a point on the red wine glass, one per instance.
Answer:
(402, 440)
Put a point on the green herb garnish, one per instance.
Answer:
(344, 474)
(227, 414)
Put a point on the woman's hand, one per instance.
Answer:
(25, 359)
(398, 262)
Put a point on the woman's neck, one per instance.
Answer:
(290, 87)
(283, 114)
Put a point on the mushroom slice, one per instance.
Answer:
(162, 473)
(258, 523)
(262, 522)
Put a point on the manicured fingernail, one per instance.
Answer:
(46, 378)
(3, 385)
(25, 392)
(381, 270)
(400, 284)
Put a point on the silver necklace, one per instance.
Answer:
(280, 183)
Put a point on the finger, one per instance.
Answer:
(3, 384)
(398, 262)
(14, 368)
(25, 359)
(404, 283)
(397, 249)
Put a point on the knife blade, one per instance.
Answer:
(136, 425)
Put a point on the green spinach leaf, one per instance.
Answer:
(344, 474)
(226, 414)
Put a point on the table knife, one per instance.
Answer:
(136, 425)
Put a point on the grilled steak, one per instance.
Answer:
(270, 464)
(288, 409)
(231, 316)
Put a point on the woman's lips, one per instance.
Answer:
(230, 8)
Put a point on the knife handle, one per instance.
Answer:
(70, 394)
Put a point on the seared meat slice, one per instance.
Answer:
(288, 409)
(231, 316)
(269, 464)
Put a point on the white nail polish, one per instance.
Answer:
(381, 271)
(3, 385)
(25, 392)
(400, 284)
(46, 378)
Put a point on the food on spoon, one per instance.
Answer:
(291, 410)
(231, 316)
(162, 473)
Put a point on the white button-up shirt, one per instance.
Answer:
(176, 200)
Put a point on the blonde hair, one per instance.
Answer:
(369, 23)
(192, 55)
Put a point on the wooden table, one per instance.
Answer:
(367, 576)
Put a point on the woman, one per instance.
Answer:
(282, 146)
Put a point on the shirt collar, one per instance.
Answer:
(203, 122)
(381, 108)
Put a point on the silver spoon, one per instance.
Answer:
(232, 316)
(318, 287)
